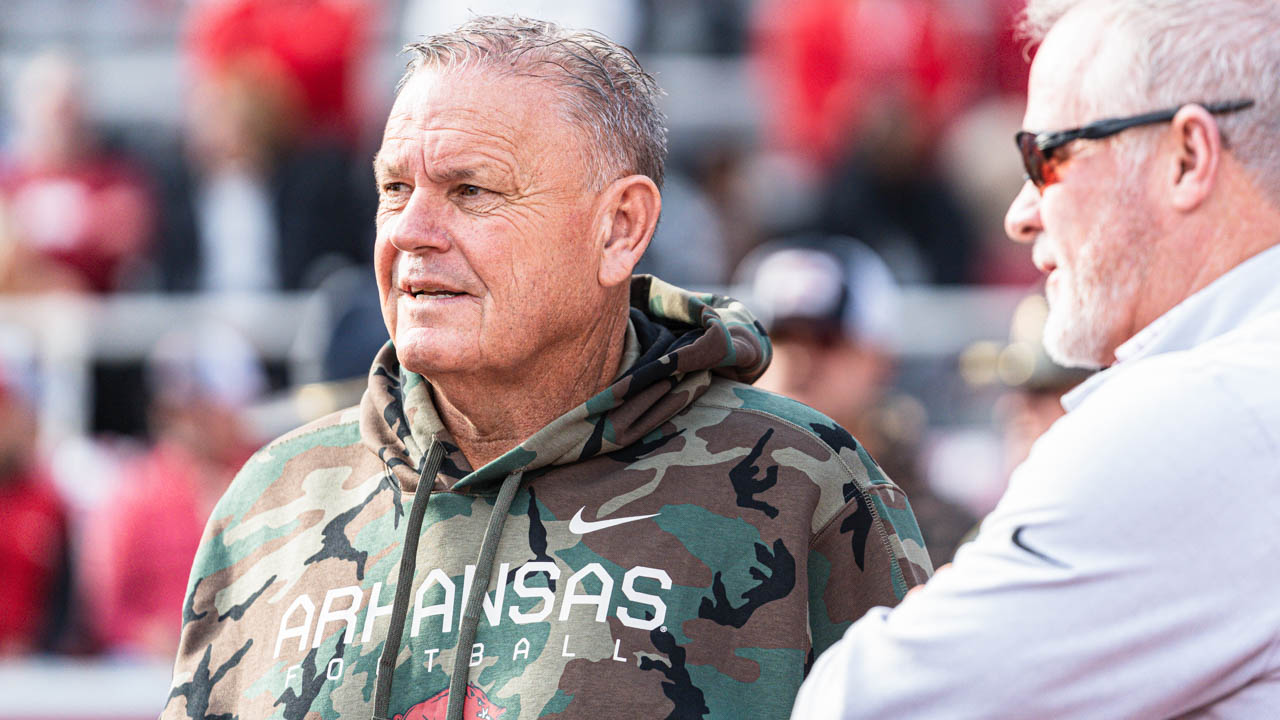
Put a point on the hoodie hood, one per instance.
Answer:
(675, 341)
(676, 522)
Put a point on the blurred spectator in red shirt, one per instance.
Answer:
(266, 193)
(831, 66)
(76, 218)
(139, 546)
(34, 558)
(861, 92)
(316, 47)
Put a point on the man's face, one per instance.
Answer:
(484, 254)
(1092, 229)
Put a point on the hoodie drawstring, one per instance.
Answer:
(404, 584)
(475, 599)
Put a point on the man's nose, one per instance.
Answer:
(1022, 221)
(421, 226)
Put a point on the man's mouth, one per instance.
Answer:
(429, 291)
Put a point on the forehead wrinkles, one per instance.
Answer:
(473, 113)
(448, 113)
(449, 152)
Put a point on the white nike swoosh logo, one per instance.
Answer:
(578, 526)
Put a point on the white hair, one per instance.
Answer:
(604, 89)
(1184, 51)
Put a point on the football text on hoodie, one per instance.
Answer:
(680, 545)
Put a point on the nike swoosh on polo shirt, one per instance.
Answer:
(1017, 540)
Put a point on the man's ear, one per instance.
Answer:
(629, 215)
(1196, 157)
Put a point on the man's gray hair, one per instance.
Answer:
(604, 89)
(1187, 51)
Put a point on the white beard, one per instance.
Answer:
(1083, 311)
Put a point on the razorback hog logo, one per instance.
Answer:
(478, 707)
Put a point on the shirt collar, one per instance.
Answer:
(1221, 306)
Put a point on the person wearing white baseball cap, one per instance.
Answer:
(833, 311)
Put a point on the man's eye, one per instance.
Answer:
(392, 188)
(469, 190)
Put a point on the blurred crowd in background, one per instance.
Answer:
(888, 121)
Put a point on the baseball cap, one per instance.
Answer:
(827, 280)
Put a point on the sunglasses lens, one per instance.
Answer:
(1032, 158)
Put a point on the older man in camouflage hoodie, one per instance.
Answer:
(559, 495)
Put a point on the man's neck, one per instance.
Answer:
(1239, 224)
(488, 415)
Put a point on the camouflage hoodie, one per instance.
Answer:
(681, 545)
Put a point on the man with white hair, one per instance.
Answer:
(1127, 572)
(560, 495)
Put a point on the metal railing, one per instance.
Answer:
(69, 333)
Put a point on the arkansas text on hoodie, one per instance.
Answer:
(681, 545)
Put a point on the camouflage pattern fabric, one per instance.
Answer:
(680, 546)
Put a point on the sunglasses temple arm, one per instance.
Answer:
(1107, 128)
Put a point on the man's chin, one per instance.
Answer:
(1072, 346)
(426, 360)
(1073, 354)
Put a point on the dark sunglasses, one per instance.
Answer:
(1038, 148)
